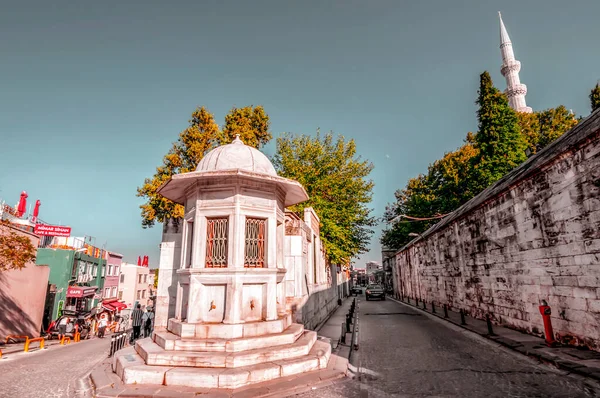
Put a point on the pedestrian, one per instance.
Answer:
(62, 327)
(136, 321)
(147, 322)
(102, 324)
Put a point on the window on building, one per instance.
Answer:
(139, 294)
(145, 278)
(116, 270)
(107, 292)
(122, 278)
(114, 292)
(216, 242)
(143, 294)
(95, 272)
(110, 270)
(189, 244)
(103, 270)
(140, 278)
(254, 253)
(120, 295)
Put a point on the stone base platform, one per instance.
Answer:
(278, 378)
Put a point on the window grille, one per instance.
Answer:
(254, 255)
(216, 243)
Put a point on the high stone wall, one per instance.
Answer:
(533, 236)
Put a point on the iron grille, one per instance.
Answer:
(216, 243)
(254, 256)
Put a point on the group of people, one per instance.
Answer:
(139, 319)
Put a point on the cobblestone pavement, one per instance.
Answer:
(405, 353)
(52, 373)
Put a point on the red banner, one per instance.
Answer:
(51, 230)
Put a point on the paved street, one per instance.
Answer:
(405, 353)
(53, 373)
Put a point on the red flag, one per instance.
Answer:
(22, 208)
(139, 260)
(145, 263)
(36, 209)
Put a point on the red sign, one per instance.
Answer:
(74, 291)
(51, 230)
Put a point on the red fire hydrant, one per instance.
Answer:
(549, 333)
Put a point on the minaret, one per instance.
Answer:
(515, 90)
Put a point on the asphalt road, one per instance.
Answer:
(56, 372)
(405, 353)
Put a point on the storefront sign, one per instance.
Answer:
(51, 230)
(76, 292)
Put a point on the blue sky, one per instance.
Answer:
(93, 94)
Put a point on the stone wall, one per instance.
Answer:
(533, 236)
(22, 296)
(320, 304)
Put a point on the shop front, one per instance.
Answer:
(80, 298)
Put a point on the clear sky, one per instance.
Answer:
(93, 93)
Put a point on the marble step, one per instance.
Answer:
(228, 331)
(136, 372)
(153, 354)
(172, 342)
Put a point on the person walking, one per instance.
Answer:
(102, 324)
(147, 322)
(136, 321)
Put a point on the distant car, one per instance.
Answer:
(374, 291)
(356, 290)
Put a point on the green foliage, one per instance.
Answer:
(336, 181)
(541, 128)
(595, 97)
(499, 142)
(202, 135)
(16, 250)
(156, 278)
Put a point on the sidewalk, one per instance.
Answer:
(581, 361)
(332, 327)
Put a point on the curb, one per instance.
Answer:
(563, 364)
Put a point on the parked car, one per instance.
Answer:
(356, 290)
(375, 291)
(81, 319)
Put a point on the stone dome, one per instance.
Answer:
(234, 156)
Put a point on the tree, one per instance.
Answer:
(156, 278)
(595, 97)
(15, 250)
(336, 181)
(202, 135)
(499, 142)
(539, 129)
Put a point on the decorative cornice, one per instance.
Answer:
(510, 66)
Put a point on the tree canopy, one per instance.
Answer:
(497, 148)
(16, 250)
(336, 181)
(595, 97)
(202, 135)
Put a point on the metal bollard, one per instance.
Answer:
(445, 311)
(432, 308)
(462, 317)
(112, 346)
(343, 336)
(489, 325)
(424, 305)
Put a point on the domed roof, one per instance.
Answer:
(234, 156)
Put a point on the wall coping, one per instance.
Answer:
(571, 140)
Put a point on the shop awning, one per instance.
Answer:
(83, 291)
(113, 305)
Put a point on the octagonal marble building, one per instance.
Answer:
(229, 325)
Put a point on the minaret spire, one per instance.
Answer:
(515, 90)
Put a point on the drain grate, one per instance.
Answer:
(393, 313)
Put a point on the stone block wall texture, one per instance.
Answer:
(533, 236)
(319, 305)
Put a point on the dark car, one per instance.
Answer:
(375, 291)
(356, 290)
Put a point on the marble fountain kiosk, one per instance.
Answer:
(231, 327)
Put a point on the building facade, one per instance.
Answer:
(135, 282)
(22, 294)
(113, 271)
(73, 264)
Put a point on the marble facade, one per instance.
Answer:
(226, 287)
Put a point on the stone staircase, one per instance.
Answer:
(222, 356)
